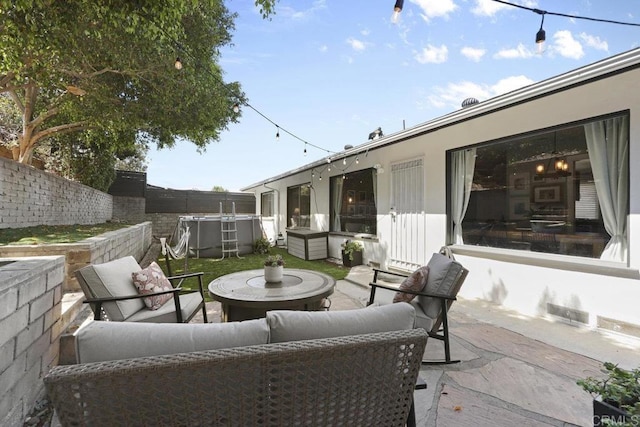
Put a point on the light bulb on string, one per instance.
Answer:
(397, 8)
(236, 108)
(178, 64)
(305, 148)
(344, 161)
(277, 133)
(357, 160)
(319, 177)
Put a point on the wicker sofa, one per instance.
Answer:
(356, 367)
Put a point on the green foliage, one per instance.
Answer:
(274, 261)
(351, 246)
(219, 189)
(108, 67)
(261, 246)
(54, 234)
(620, 388)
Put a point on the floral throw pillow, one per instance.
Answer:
(150, 280)
(415, 282)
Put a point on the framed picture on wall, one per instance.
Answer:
(519, 183)
(519, 207)
(547, 194)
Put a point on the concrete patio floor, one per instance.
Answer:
(514, 370)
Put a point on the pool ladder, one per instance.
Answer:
(229, 232)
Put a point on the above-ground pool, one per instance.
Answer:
(205, 234)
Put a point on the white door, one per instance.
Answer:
(408, 223)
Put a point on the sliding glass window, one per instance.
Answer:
(562, 191)
(353, 202)
(299, 206)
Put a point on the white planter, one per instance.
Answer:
(273, 274)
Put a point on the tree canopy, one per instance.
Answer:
(104, 71)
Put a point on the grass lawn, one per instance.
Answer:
(214, 268)
(51, 234)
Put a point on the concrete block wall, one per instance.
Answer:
(30, 197)
(30, 329)
(133, 240)
(129, 209)
(165, 223)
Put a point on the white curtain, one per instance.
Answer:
(337, 203)
(463, 165)
(608, 145)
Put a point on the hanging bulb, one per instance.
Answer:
(541, 35)
(344, 161)
(397, 8)
(277, 133)
(313, 175)
(178, 64)
(357, 160)
(343, 176)
(329, 168)
(320, 178)
(236, 108)
(305, 151)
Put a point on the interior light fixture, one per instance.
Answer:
(397, 8)
(277, 133)
(178, 64)
(560, 167)
(540, 35)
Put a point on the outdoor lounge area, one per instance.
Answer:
(513, 369)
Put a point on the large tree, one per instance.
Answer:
(104, 71)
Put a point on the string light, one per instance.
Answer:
(178, 64)
(305, 149)
(236, 108)
(277, 133)
(357, 160)
(397, 8)
(344, 161)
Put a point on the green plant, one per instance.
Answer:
(350, 246)
(274, 261)
(261, 246)
(620, 388)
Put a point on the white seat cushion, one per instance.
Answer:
(115, 277)
(189, 303)
(443, 274)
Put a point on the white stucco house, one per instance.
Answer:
(532, 190)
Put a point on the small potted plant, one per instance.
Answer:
(273, 268)
(351, 253)
(261, 246)
(616, 397)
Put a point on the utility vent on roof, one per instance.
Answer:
(469, 102)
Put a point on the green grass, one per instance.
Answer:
(51, 234)
(214, 268)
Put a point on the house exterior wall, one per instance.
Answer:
(599, 293)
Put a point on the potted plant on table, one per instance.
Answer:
(352, 253)
(273, 268)
(616, 397)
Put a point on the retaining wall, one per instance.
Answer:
(30, 329)
(133, 240)
(30, 197)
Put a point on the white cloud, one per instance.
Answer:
(594, 42)
(487, 7)
(365, 32)
(472, 53)
(435, 8)
(300, 15)
(356, 44)
(432, 54)
(324, 48)
(519, 52)
(454, 93)
(566, 45)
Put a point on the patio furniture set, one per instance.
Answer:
(284, 367)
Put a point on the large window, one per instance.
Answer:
(299, 206)
(266, 204)
(563, 191)
(353, 202)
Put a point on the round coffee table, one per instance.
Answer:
(246, 295)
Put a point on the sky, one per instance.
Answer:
(332, 71)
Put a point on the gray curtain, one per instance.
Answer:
(463, 166)
(337, 203)
(608, 145)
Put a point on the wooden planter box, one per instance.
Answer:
(357, 259)
(604, 411)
